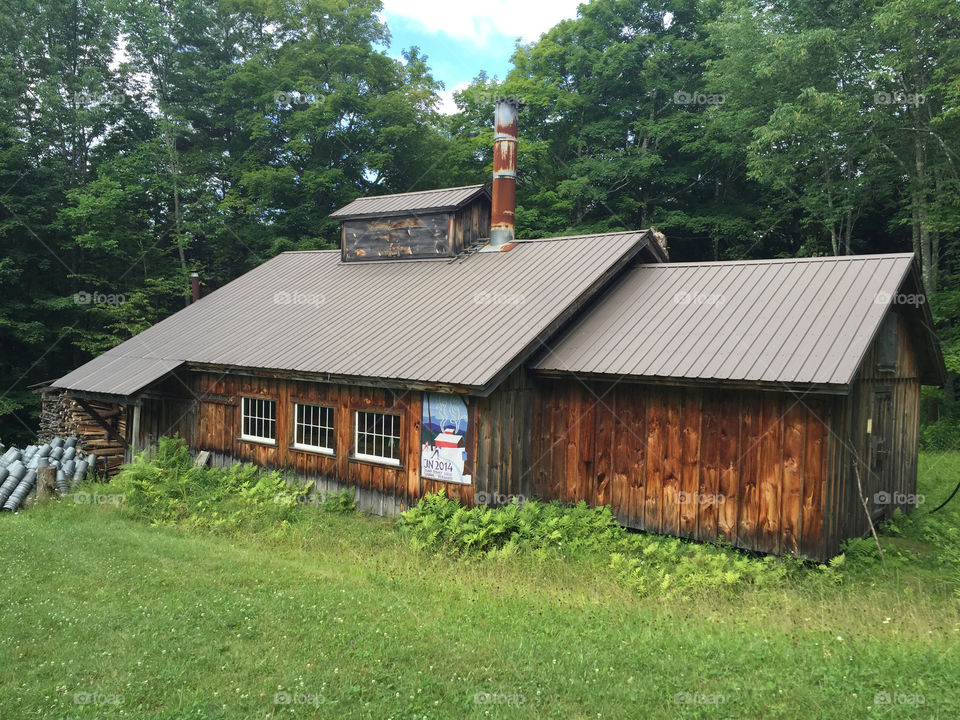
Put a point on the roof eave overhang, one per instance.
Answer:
(396, 213)
(334, 378)
(933, 370)
(101, 396)
(706, 383)
(133, 398)
(936, 373)
(480, 192)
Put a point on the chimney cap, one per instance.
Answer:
(194, 274)
(510, 101)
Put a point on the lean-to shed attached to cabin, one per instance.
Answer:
(706, 400)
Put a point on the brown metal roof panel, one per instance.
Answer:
(661, 320)
(541, 297)
(830, 340)
(419, 201)
(797, 291)
(605, 321)
(834, 340)
(856, 336)
(802, 331)
(523, 291)
(900, 268)
(727, 357)
(592, 326)
(762, 319)
(772, 326)
(406, 320)
(804, 321)
(116, 374)
(719, 323)
(697, 302)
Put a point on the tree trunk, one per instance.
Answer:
(921, 232)
(177, 218)
(848, 233)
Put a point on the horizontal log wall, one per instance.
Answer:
(747, 467)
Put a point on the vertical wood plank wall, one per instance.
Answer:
(470, 223)
(897, 476)
(381, 488)
(745, 466)
(764, 470)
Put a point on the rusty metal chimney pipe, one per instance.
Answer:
(194, 287)
(504, 172)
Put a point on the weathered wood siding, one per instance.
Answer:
(504, 423)
(381, 488)
(471, 223)
(888, 401)
(767, 471)
(408, 236)
(418, 235)
(747, 467)
(497, 442)
(169, 409)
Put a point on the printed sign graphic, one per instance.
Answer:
(443, 429)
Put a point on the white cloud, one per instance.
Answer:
(447, 106)
(476, 21)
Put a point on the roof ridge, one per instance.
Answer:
(305, 252)
(582, 237)
(419, 192)
(780, 261)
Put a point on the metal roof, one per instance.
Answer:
(117, 373)
(796, 321)
(459, 322)
(422, 201)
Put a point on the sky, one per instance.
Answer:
(462, 38)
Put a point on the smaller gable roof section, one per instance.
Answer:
(424, 201)
(464, 322)
(115, 373)
(795, 322)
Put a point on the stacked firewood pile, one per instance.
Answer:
(62, 415)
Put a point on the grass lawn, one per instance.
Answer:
(106, 616)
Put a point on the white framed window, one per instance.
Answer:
(258, 420)
(376, 437)
(313, 428)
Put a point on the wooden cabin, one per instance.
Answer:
(755, 401)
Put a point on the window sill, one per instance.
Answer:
(257, 441)
(374, 460)
(313, 450)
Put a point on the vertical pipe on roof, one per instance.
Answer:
(504, 172)
(194, 287)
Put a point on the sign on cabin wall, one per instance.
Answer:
(443, 434)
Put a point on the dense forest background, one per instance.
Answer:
(141, 140)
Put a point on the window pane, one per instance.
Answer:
(377, 434)
(258, 418)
